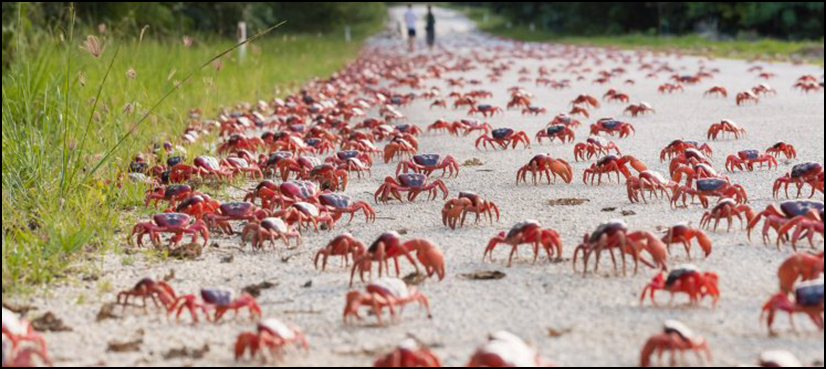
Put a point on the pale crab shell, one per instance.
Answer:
(673, 326)
(394, 287)
(779, 359)
(279, 328)
(14, 324)
(512, 350)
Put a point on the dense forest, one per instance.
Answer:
(782, 20)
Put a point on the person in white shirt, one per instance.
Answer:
(410, 19)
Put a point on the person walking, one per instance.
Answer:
(431, 27)
(410, 20)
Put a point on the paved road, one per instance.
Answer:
(599, 317)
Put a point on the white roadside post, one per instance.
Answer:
(242, 36)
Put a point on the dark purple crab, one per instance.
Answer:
(234, 211)
(428, 163)
(270, 163)
(503, 137)
(174, 223)
(171, 194)
(412, 183)
(608, 236)
(338, 205)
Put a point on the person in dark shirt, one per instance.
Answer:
(431, 27)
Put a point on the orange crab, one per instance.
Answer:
(675, 338)
(546, 165)
(467, 202)
(527, 232)
(687, 279)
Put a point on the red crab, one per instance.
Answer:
(805, 226)
(556, 132)
(675, 338)
(203, 166)
(544, 164)
(272, 335)
(586, 100)
(780, 218)
(385, 293)
(529, 232)
(565, 120)
(174, 223)
(345, 246)
(239, 165)
(745, 160)
(648, 181)
(486, 110)
(428, 163)
(443, 125)
(171, 194)
(799, 267)
(197, 206)
(710, 187)
(234, 211)
(727, 209)
(345, 157)
(679, 147)
(747, 96)
(534, 110)
(808, 299)
(220, 300)
(717, 91)
(725, 126)
(505, 350)
(338, 205)
(467, 202)
(808, 173)
(503, 137)
(149, 289)
(301, 166)
(686, 161)
(409, 354)
(331, 178)
(608, 236)
(241, 142)
(685, 279)
(19, 332)
(412, 183)
(612, 127)
(304, 215)
(684, 234)
(782, 148)
(269, 229)
(387, 246)
(613, 164)
(639, 109)
(595, 147)
(398, 148)
(615, 96)
(694, 172)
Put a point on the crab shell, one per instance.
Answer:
(779, 359)
(278, 156)
(208, 162)
(236, 209)
(390, 287)
(681, 272)
(519, 229)
(335, 200)
(274, 224)
(172, 220)
(795, 208)
(427, 160)
(14, 324)
(218, 296)
(349, 154)
(502, 133)
(299, 189)
(710, 184)
(307, 209)
(809, 293)
(412, 180)
(278, 329)
(386, 238)
(675, 327)
(511, 350)
(806, 169)
(609, 228)
(176, 190)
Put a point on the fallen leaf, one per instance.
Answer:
(124, 347)
(309, 284)
(18, 309)
(628, 213)
(415, 279)
(402, 232)
(228, 259)
(609, 210)
(255, 290)
(553, 333)
(49, 323)
(567, 202)
(473, 163)
(483, 276)
(169, 277)
(187, 353)
(190, 252)
(107, 312)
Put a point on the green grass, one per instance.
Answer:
(767, 49)
(62, 113)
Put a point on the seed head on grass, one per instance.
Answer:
(188, 41)
(93, 46)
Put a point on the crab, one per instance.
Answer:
(301, 166)
(805, 226)
(799, 267)
(612, 127)
(171, 194)
(687, 279)
(385, 293)
(675, 338)
(710, 187)
(727, 209)
(269, 163)
(612, 164)
(782, 148)
(241, 142)
(544, 164)
(586, 100)
(556, 132)
(345, 157)
(234, 211)
(808, 299)
(240, 165)
(272, 335)
(338, 205)
(23, 358)
(747, 96)
(149, 289)
(616, 96)
(534, 110)
(203, 166)
(412, 183)
(197, 206)
(565, 120)
(779, 359)
(809, 173)
(428, 163)
(745, 160)
(220, 300)
(387, 246)
(471, 126)
(687, 162)
(684, 234)
(594, 147)
(486, 110)
(467, 202)
(409, 354)
(780, 218)
(679, 147)
(345, 246)
(716, 91)
(269, 229)
(505, 350)
(19, 332)
(398, 148)
(443, 125)
(725, 126)
(529, 232)
(648, 181)
(613, 235)
(331, 178)
(639, 109)
(292, 192)
(503, 137)
(173, 223)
